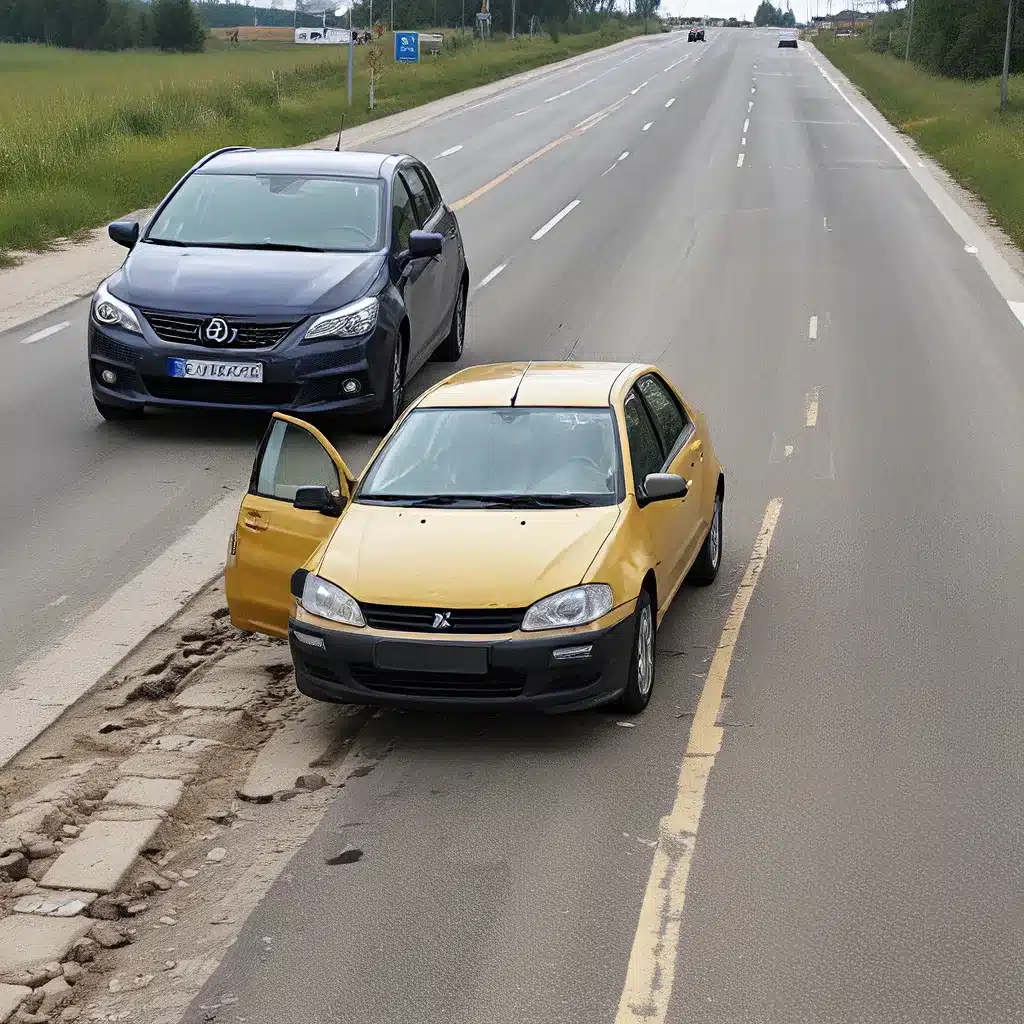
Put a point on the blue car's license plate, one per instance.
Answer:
(208, 369)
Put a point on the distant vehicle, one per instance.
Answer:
(514, 541)
(696, 34)
(311, 281)
(787, 37)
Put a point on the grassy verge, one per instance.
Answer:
(958, 123)
(85, 137)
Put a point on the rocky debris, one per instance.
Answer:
(83, 951)
(23, 888)
(108, 935)
(188, 745)
(70, 1013)
(54, 904)
(106, 908)
(159, 764)
(136, 908)
(70, 831)
(11, 997)
(27, 941)
(35, 820)
(149, 883)
(37, 869)
(73, 972)
(38, 847)
(101, 857)
(216, 855)
(349, 856)
(146, 792)
(190, 873)
(310, 781)
(56, 994)
(14, 866)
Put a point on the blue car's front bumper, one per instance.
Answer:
(297, 378)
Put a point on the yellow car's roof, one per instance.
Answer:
(538, 383)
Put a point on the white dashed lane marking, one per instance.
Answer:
(561, 215)
(46, 332)
(448, 152)
(646, 126)
(492, 275)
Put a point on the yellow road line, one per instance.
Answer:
(652, 962)
(526, 161)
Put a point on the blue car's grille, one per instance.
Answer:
(188, 330)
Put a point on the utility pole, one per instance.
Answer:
(351, 48)
(1010, 10)
(513, 19)
(910, 29)
(392, 15)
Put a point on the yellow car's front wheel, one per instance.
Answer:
(638, 690)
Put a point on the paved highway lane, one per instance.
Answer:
(854, 853)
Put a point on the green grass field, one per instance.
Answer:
(958, 123)
(87, 137)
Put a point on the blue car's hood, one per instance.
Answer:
(241, 282)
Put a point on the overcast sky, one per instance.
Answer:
(737, 8)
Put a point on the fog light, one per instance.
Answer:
(350, 386)
(573, 653)
(108, 377)
(311, 641)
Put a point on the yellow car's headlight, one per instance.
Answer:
(330, 602)
(573, 607)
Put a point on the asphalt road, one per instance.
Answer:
(858, 857)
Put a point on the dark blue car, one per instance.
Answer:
(308, 281)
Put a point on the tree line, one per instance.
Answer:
(182, 25)
(955, 38)
(768, 14)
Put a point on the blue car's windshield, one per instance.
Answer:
(273, 211)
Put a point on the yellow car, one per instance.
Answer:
(514, 541)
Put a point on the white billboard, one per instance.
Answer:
(322, 36)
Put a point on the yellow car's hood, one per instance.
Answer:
(463, 558)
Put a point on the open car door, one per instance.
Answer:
(274, 536)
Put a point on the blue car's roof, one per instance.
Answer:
(296, 161)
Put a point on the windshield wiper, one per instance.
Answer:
(542, 501)
(271, 246)
(429, 500)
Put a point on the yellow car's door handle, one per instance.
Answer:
(255, 522)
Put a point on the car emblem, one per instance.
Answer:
(217, 331)
(442, 620)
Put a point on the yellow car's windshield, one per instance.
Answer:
(538, 456)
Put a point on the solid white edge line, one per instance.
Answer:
(492, 275)
(46, 332)
(448, 152)
(739, 160)
(561, 215)
(860, 113)
(1017, 308)
(44, 687)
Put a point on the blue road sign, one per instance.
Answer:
(407, 47)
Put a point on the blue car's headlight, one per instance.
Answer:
(350, 321)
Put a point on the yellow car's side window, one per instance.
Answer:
(644, 449)
(292, 459)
